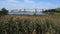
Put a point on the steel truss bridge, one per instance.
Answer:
(24, 10)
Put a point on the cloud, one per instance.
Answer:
(15, 4)
(29, 1)
(11, 0)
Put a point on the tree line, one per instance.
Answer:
(51, 11)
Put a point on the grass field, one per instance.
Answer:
(30, 24)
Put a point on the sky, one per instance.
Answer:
(20, 4)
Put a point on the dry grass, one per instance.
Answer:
(48, 24)
(42, 18)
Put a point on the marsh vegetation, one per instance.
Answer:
(30, 24)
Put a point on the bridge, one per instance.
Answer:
(35, 10)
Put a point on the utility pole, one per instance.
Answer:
(42, 9)
(20, 9)
(35, 12)
(24, 10)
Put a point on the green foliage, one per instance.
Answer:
(3, 11)
(52, 11)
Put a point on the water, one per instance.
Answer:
(27, 12)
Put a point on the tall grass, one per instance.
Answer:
(15, 24)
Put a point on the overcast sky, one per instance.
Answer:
(17, 4)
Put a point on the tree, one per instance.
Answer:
(4, 11)
(51, 11)
(58, 9)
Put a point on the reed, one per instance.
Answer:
(20, 24)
